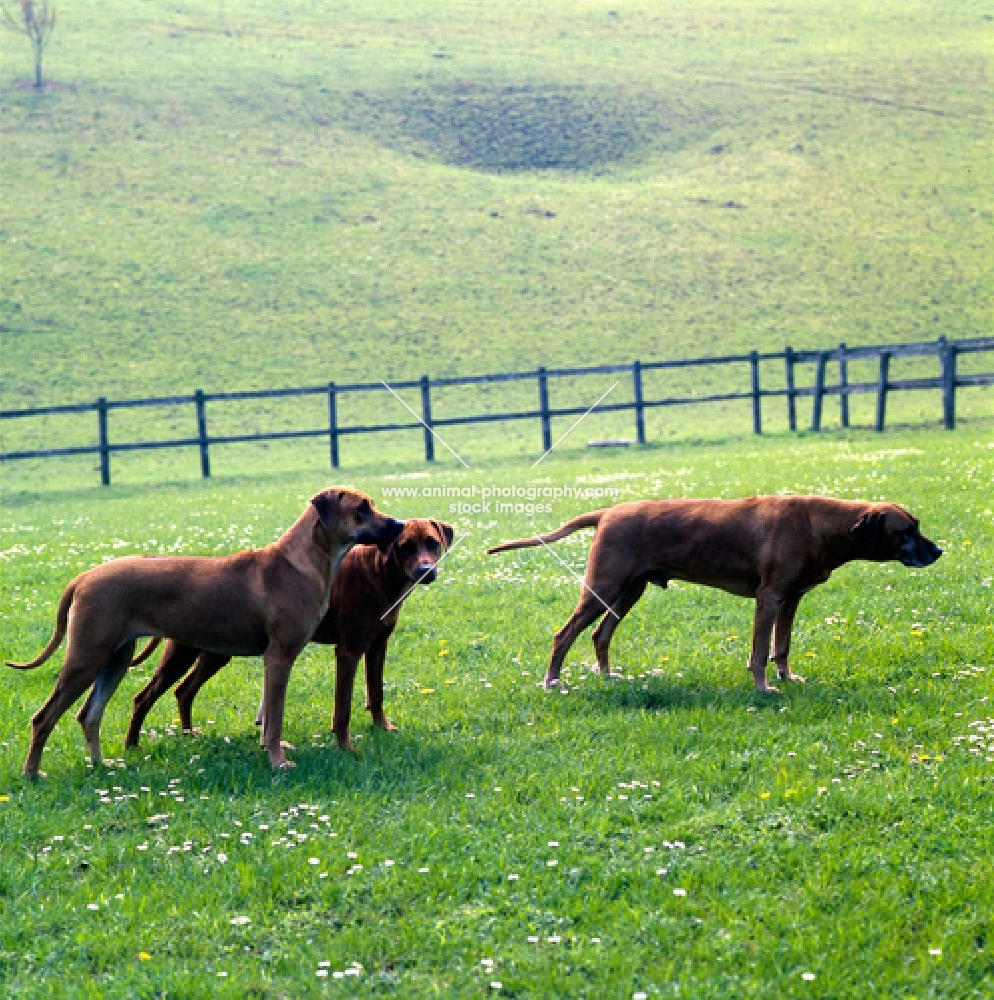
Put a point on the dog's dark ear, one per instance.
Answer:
(865, 533)
(327, 504)
(448, 532)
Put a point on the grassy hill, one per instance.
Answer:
(244, 194)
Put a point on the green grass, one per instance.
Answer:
(843, 829)
(249, 195)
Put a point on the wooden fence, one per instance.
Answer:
(946, 381)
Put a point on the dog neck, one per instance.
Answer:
(840, 548)
(312, 552)
(397, 585)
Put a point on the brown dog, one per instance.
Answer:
(264, 601)
(366, 599)
(774, 549)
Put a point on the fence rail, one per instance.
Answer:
(947, 381)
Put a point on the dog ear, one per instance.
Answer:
(327, 503)
(866, 534)
(447, 531)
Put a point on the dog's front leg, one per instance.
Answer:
(768, 605)
(345, 668)
(781, 639)
(278, 663)
(375, 658)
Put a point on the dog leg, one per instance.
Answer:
(74, 679)
(104, 686)
(781, 639)
(175, 662)
(768, 604)
(260, 714)
(278, 663)
(587, 612)
(375, 658)
(630, 596)
(208, 664)
(345, 668)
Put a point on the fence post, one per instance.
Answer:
(843, 386)
(333, 423)
(639, 405)
(426, 417)
(788, 357)
(757, 405)
(543, 405)
(205, 458)
(819, 391)
(947, 358)
(882, 390)
(104, 442)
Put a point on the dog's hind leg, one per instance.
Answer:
(175, 662)
(630, 596)
(104, 686)
(73, 680)
(590, 608)
(208, 664)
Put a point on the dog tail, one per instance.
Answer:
(147, 651)
(61, 619)
(590, 520)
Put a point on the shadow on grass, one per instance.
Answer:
(667, 696)
(237, 766)
(827, 697)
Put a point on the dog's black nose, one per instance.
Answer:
(426, 573)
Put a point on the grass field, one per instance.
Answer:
(253, 195)
(842, 831)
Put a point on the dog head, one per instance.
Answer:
(890, 532)
(420, 546)
(350, 518)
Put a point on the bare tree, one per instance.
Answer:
(36, 19)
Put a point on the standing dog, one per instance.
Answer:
(365, 604)
(774, 549)
(263, 601)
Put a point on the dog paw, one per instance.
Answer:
(192, 731)
(348, 746)
(286, 765)
(551, 683)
